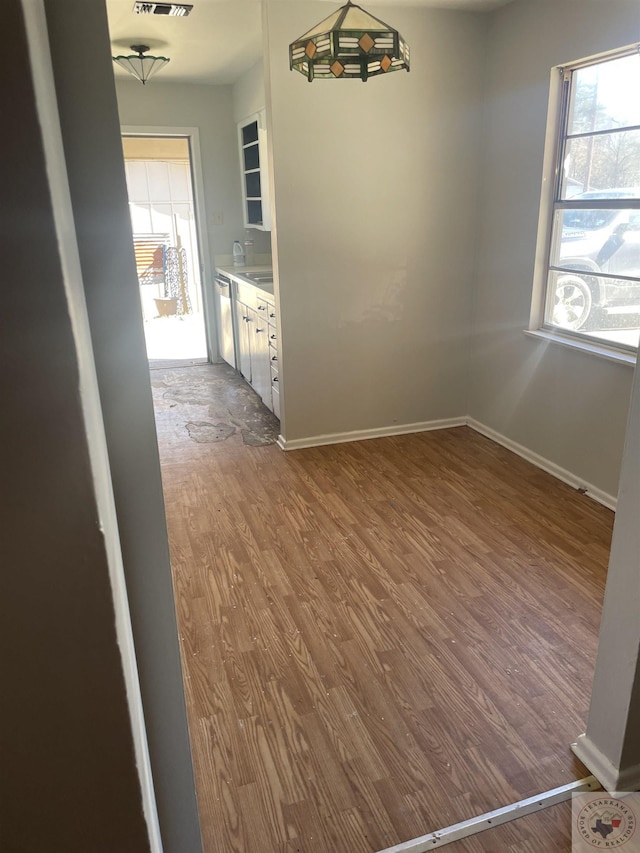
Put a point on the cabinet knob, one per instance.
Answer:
(274, 358)
(247, 319)
(275, 378)
(262, 308)
(259, 330)
(273, 337)
(272, 315)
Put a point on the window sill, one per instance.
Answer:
(589, 347)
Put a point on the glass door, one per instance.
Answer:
(161, 205)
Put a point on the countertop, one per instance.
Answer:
(245, 274)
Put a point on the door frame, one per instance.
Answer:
(207, 273)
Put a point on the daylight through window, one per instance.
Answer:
(593, 277)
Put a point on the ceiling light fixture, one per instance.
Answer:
(349, 43)
(142, 67)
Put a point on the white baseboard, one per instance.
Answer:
(550, 467)
(592, 491)
(610, 777)
(362, 435)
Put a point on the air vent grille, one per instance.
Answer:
(177, 10)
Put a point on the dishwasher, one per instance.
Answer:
(225, 319)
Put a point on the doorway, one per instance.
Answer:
(160, 186)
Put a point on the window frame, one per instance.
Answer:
(557, 135)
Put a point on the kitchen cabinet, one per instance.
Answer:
(260, 368)
(255, 324)
(243, 354)
(273, 361)
(252, 138)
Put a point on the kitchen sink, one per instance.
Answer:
(263, 280)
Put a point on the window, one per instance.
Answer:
(593, 231)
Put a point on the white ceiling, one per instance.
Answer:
(220, 39)
(216, 43)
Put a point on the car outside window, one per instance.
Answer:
(593, 271)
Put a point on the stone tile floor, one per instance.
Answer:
(211, 403)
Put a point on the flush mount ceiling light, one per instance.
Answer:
(349, 43)
(142, 67)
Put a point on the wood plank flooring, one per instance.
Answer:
(379, 639)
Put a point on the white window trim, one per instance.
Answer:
(592, 346)
(550, 166)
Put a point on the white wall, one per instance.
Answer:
(210, 109)
(375, 190)
(566, 406)
(248, 92)
(610, 748)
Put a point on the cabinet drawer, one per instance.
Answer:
(275, 399)
(273, 358)
(275, 382)
(246, 293)
(273, 337)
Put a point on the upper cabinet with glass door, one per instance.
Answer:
(252, 137)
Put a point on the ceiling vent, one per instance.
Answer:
(177, 10)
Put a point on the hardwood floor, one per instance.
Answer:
(379, 639)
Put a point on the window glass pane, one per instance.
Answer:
(140, 218)
(570, 300)
(158, 177)
(251, 157)
(254, 212)
(606, 96)
(605, 309)
(180, 177)
(162, 219)
(250, 133)
(597, 240)
(137, 186)
(594, 289)
(252, 185)
(603, 163)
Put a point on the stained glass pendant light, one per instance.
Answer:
(142, 67)
(349, 43)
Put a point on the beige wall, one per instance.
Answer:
(375, 194)
(567, 406)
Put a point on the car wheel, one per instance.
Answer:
(573, 306)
